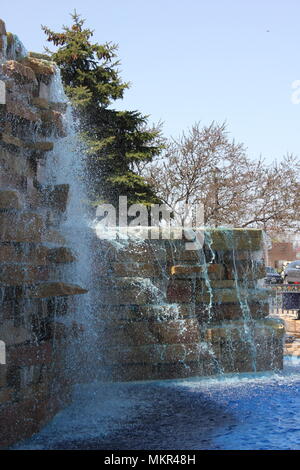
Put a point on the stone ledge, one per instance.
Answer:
(54, 289)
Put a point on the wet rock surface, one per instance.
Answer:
(33, 296)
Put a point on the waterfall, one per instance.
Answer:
(64, 166)
(167, 312)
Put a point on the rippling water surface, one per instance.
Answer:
(234, 412)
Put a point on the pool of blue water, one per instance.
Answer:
(248, 411)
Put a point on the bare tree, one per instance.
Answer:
(205, 166)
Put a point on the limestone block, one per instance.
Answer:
(16, 253)
(230, 311)
(232, 295)
(53, 236)
(24, 227)
(162, 311)
(12, 164)
(57, 197)
(239, 349)
(180, 291)
(15, 274)
(215, 284)
(21, 109)
(131, 252)
(19, 71)
(60, 255)
(53, 120)
(30, 354)
(11, 140)
(227, 239)
(39, 66)
(10, 200)
(186, 270)
(245, 269)
(45, 104)
(40, 103)
(122, 333)
(210, 271)
(40, 146)
(129, 296)
(176, 253)
(137, 269)
(54, 289)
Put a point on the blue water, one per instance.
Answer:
(234, 412)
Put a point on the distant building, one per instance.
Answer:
(282, 250)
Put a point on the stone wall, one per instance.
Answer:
(165, 312)
(33, 251)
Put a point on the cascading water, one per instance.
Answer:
(65, 166)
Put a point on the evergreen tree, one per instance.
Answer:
(116, 140)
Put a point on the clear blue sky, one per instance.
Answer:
(194, 60)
